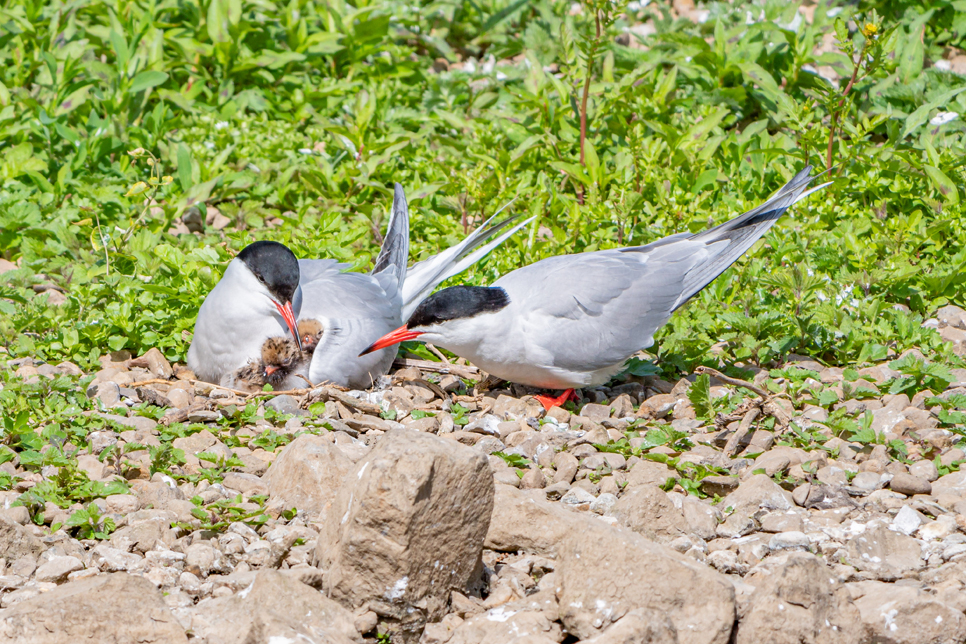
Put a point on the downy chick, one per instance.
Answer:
(280, 357)
(311, 332)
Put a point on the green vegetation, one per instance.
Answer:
(122, 121)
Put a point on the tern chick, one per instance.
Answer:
(280, 357)
(310, 332)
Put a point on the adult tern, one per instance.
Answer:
(257, 297)
(574, 320)
(353, 309)
(266, 291)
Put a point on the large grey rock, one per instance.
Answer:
(106, 608)
(895, 614)
(604, 573)
(407, 528)
(648, 511)
(799, 602)
(884, 553)
(307, 474)
(274, 607)
(523, 521)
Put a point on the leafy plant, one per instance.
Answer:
(90, 523)
(918, 374)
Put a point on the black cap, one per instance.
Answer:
(275, 266)
(458, 302)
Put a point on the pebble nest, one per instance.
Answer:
(770, 472)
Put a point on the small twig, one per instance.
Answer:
(330, 393)
(438, 353)
(311, 386)
(457, 370)
(732, 445)
(734, 382)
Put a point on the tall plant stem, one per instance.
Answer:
(591, 54)
(845, 93)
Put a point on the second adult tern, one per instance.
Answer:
(574, 320)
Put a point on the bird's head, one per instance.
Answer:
(276, 269)
(446, 317)
(279, 357)
(310, 332)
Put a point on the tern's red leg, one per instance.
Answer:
(548, 401)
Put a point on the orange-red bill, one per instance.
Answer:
(289, 316)
(393, 337)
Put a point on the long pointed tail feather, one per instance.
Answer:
(426, 275)
(741, 233)
(395, 246)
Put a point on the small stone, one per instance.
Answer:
(107, 393)
(559, 414)
(534, 479)
(284, 404)
(595, 412)
(788, 540)
(720, 485)
(203, 416)
(565, 466)
(608, 459)
(725, 562)
(782, 522)
(772, 463)
(907, 520)
(941, 528)
(158, 364)
(924, 470)
(577, 496)
(56, 569)
(603, 503)
(910, 485)
(800, 494)
(867, 481)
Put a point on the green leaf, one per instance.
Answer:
(641, 368)
(501, 15)
(923, 113)
(827, 397)
(184, 166)
(514, 460)
(943, 183)
(700, 396)
(910, 56)
(146, 80)
(119, 45)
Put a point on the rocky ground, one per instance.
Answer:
(805, 504)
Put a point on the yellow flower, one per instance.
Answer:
(870, 30)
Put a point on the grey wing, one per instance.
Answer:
(355, 311)
(597, 309)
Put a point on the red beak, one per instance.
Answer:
(289, 317)
(393, 337)
(270, 369)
